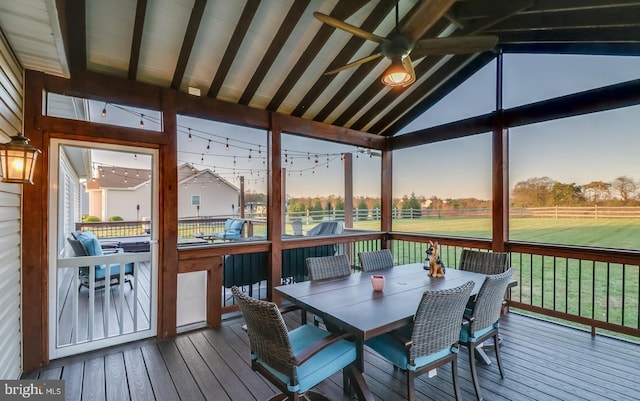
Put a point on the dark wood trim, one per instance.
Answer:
(76, 36)
(274, 206)
(575, 252)
(136, 40)
(187, 43)
(214, 293)
(190, 258)
(606, 98)
(96, 86)
(101, 132)
(168, 216)
(500, 170)
(500, 188)
(347, 160)
(464, 242)
(217, 110)
(610, 97)
(104, 88)
(386, 198)
(318, 130)
(34, 257)
(233, 46)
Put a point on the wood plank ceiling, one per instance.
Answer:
(272, 54)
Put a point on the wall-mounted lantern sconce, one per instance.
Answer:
(18, 160)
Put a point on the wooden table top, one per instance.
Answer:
(351, 303)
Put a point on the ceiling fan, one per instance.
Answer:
(401, 49)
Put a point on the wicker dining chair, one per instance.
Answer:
(431, 340)
(375, 260)
(482, 322)
(324, 267)
(483, 262)
(294, 361)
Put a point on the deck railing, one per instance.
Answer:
(592, 288)
(595, 288)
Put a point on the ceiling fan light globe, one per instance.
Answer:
(396, 75)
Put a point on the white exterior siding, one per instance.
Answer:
(124, 202)
(11, 94)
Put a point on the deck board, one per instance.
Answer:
(542, 361)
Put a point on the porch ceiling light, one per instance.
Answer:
(397, 75)
(17, 160)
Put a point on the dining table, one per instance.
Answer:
(350, 303)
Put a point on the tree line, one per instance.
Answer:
(533, 192)
(544, 192)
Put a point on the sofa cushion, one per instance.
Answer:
(90, 243)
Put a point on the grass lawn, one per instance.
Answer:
(606, 233)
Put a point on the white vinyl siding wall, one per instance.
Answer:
(11, 93)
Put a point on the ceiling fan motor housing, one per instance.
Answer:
(396, 46)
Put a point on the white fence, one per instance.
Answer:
(592, 212)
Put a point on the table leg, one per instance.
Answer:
(358, 384)
(481, 356)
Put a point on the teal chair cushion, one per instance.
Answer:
(320, 366)
(232, 229)
(93, 248)
(90, 243)
(464, 333)
(395, 352)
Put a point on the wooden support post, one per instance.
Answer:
(348, 190)
(386, 202)
(274, 207)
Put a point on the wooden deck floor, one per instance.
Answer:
(543, 361)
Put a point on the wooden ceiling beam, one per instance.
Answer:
(600, 49)
(233, 46)
(75, 12)
(575, 19)
(343, 10)
(423, 16)
(187, 43)
(283, 34)
(465, 10)
(136, 40)
(629, 34)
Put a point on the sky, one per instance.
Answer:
(582, 149)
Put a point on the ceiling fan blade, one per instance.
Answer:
(354, 30)
(453, 45)
(408, 65)
(354, 64)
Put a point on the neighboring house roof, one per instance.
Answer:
(119, 178)
(188, 174)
